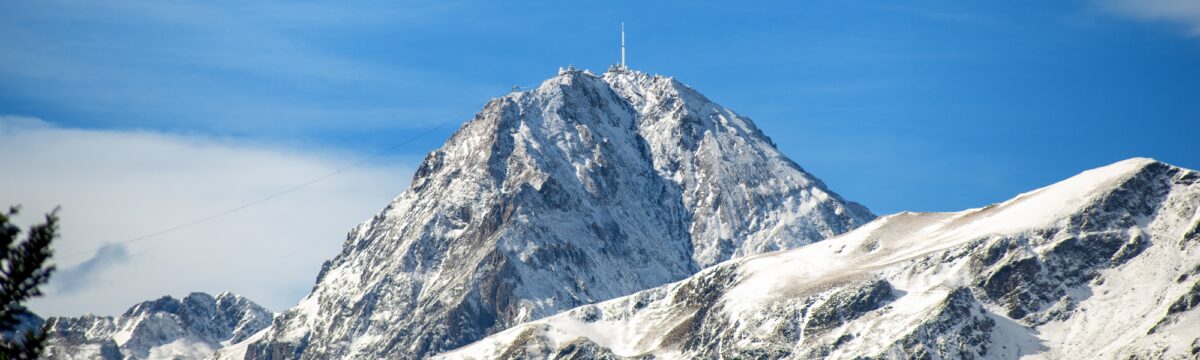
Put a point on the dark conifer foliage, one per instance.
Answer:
(24, 267)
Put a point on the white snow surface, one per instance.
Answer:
(238, 350)
(1103, 265)
(166, 328)
(582, 190)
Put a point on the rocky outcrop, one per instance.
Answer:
(582, 190)
(1097, 266)
(166, 328)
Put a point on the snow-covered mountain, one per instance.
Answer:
(582, 190)
(1103, 265)
(167, 328)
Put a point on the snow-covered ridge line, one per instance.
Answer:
(581, 190)
(1101, 265)
(167, 328)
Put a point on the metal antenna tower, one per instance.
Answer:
(623, 46)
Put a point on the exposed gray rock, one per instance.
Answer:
(584, 189)
(1077, 270)
(1184, 303)
(166, 328)
(958, 329)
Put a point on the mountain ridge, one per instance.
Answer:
(1003, 281)
(192, 327)
(586, 188)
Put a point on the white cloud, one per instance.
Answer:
(1182, 12)
(117, 185)
(81, 276)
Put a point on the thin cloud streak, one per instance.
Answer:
(1180, 12)
(116, 185)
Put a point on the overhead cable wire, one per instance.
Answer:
(272, 196)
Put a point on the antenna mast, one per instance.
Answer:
(620, 68)
(623, 46)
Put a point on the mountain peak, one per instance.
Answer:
(1103, 177)
(163, 328)
(1110, 271)
(586, 188)
(1072, 194)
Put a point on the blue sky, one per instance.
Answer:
(916, 105)
(925, 105)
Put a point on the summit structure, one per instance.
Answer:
(620, 68)
(584, 189)
(623, 67)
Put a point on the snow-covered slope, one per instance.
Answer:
(743, 196)
(1103, 265)
(167, 328)
(584, 189)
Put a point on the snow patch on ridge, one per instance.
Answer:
(1102, 265)
(581, 190)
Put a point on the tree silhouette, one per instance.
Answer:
(23, 268)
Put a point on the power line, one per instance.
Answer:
(274, 195)
(285, 191)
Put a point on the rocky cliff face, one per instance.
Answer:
(584, 189)
(1103, 265)
(167, 328)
